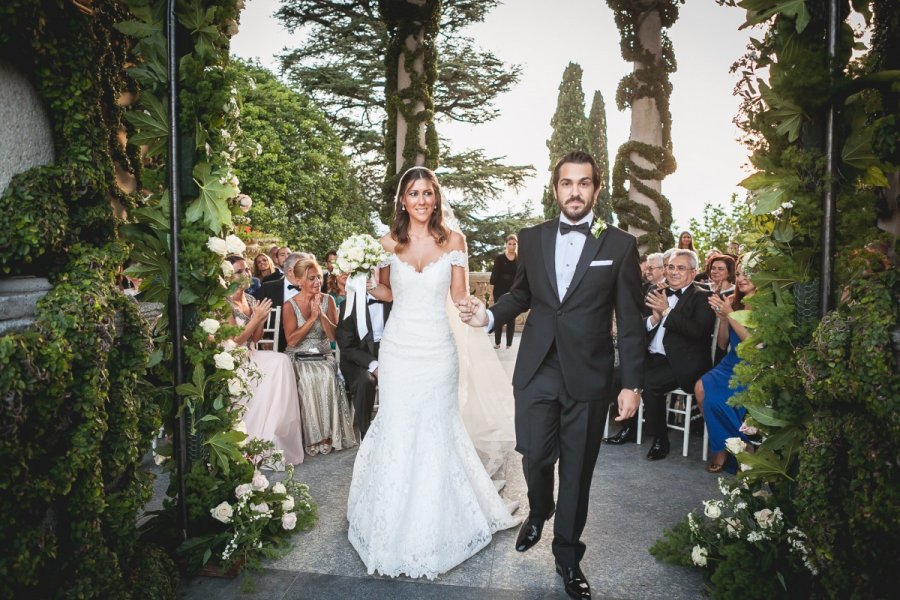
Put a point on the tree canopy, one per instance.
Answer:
(340, 64)
(303, 187)
(600, 152)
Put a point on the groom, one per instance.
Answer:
(572, 275)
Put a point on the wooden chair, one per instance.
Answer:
(271, 327)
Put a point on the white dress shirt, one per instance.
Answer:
(288, 293)
(568, 251)
(376, 315)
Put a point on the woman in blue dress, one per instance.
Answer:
(714, 390)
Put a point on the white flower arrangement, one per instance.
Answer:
(698, 555)
(234, 244)
(217, 245)
(210, 326)
(224, 361)
(359, 254)
(735, 445)
(223, 512)
(598, 227)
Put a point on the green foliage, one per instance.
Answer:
(719, 226)
(600, 152)
(304, 189)
(220, 371)
(74, 426)
(824, 394)
(650, 80)
(571, 130)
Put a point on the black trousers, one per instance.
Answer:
(659, 379)
(361, 386)
(552, 426)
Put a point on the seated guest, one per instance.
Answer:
(264, 268)
(714, 390)
(310, 318)
(703, 276)
(338, 291)
(280, 291)
(656, 273)
(359, 357)
(721, 275)
(679, 329)
(273, 412)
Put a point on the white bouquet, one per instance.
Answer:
(356, 257)
(359, 254)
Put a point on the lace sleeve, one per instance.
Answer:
(458, 258)
(386, 262)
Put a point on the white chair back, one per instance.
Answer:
(271, 327)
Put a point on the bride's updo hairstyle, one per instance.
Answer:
(400, 225)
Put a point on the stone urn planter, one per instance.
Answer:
(18, 297)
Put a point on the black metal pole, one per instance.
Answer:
(826, 288)
(175, 315)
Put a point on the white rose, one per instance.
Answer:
(698, 555)
(228, 345)
(243, 490)
(210, 326)
(159, 459)
(236, 387)
(227, 268)
(279, 488)
(712, 510)
(355, 254)
(733, 526)
(224, 361)
(245, 202)
(289, 520)
(262, 507)
(735, 445)
(764, 517)
(746, 467)
(234, 244)
(287, 504)
(217, 245)
(259, 481)
(222, 512)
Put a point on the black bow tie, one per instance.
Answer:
(565, 228)
(293, 287)
(372, 301)
(671, 292)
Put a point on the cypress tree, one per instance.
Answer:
(570, 127)
(597, 129)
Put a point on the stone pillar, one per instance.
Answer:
(18, 297)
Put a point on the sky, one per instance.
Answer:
(543, 36)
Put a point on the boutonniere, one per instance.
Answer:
(598, 227)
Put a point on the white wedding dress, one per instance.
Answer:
(420, 500)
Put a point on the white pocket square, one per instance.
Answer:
(601, 263)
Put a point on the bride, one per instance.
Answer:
(420, 500)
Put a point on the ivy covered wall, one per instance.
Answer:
(73, 423)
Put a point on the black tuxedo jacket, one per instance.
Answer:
(355, 352)
(274, 291)
(688, 339)
(580, 324)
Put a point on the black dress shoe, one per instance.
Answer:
(575, 582)
(530, 532)
(659, 449)
(626, 434)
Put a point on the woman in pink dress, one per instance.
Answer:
(273, 407)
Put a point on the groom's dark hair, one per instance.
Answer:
(579, 157)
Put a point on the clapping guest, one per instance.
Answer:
(338, 290)
(272, 412)
(721, 275)
(281, 290)
(656, 272)
(310, 318)
(502, 276)
(330, 257)
(714, 390)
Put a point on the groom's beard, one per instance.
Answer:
(575, 208)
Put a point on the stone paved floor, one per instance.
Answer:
(632, 502)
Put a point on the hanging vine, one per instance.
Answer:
(651, 80)
(404, 19)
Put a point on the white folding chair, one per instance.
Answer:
(271, 327)
(687, 414)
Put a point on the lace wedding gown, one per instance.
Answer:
(420, 500)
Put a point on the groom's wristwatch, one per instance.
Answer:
(637, 391)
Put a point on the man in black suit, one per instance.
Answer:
(281, 290)
(679, 330)
(359, 357)
(571, 276)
